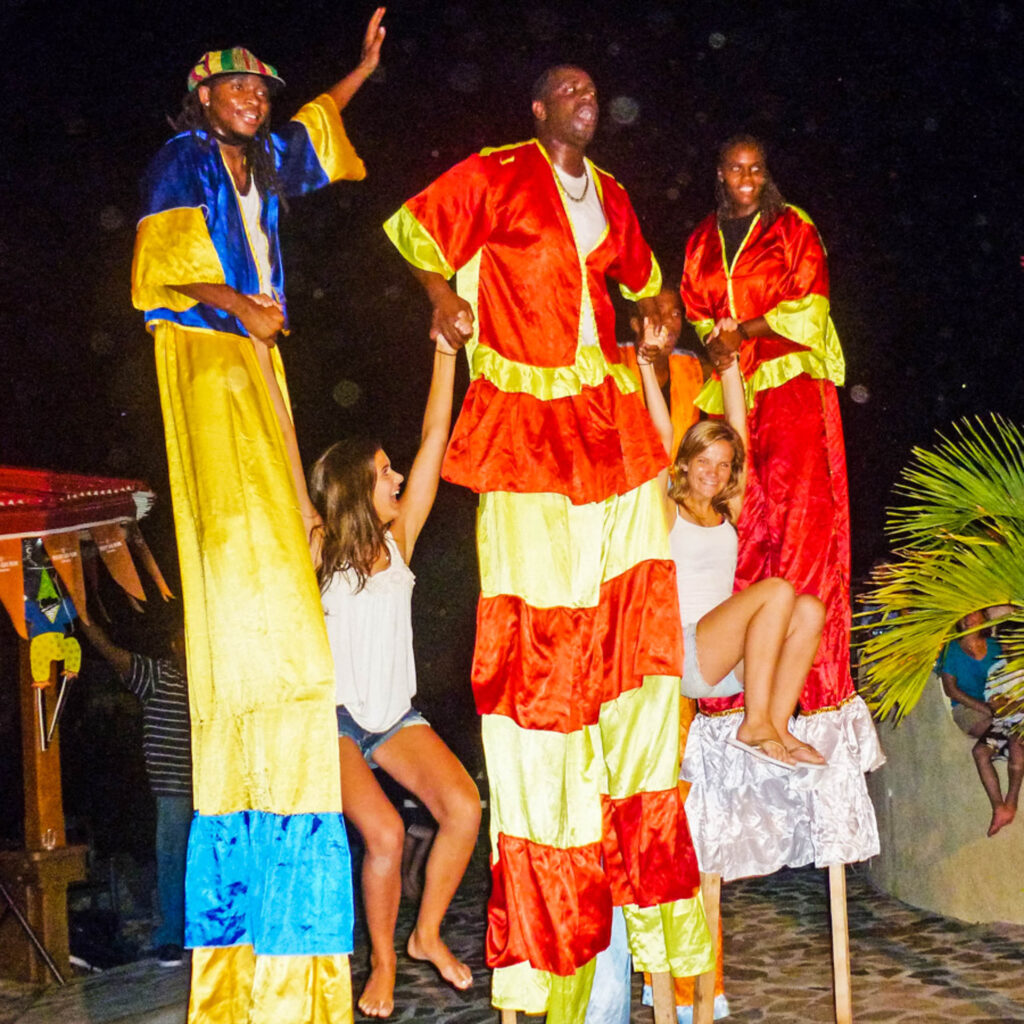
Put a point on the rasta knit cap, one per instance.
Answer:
(236, 61)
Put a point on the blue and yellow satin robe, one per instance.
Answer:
(268, 888)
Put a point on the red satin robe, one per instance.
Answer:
(795, 520)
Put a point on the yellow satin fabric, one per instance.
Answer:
(552, 797)
(639, 733)
(327, 134)
(650, 289)
(414, 242)
(172, 247)
(564, 999)
(233, 986)
(589, 553)
(686, 927)
(261, 679)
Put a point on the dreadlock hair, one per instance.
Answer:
(259, 153)
(772, 203)
(699, 437)
(352, 535)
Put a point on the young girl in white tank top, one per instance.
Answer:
(760, 641)
(369, 528)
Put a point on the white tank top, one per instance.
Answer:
(705, 558)
(370, 633)
(252, 206)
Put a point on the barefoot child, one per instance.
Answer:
(760, 641)
(362, 549)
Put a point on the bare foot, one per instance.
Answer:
(378, 998)
(1002, 815)
(804, 753)
(454, 971)
(766, 740)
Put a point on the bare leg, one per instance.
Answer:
(798, 651)
(417, 758)
(750, 626)
(380, 825)
(1016, 774)
(1002, 813)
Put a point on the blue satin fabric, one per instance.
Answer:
(189, 171)
(292, 866)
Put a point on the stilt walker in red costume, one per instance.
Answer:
(578, 639)
(756, 282)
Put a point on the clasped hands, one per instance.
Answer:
(723, 343)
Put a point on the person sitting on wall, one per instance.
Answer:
(964, 669)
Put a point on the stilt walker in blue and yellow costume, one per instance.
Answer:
(268, 888)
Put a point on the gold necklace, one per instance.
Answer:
(586, 185)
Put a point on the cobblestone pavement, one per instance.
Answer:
(909, 967)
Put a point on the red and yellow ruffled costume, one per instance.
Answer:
(794, 524)
(578, 639)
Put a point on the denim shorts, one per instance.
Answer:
(693, 684)
(367, 741)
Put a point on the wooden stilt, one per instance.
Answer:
(508, 1017)
(704, 985)
(664, 992)
(840, 943)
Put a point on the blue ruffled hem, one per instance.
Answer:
(281, 883)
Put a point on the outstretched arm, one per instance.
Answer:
(734, 400)
(652, 340)
(418, 497)
(343, 91)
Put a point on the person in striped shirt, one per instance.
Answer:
(162, 687)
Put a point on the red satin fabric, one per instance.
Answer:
(588, 446)
(506, 203)
(784, 262)
(648, 852)
(795, 521)
(552, 668)
(550, 906)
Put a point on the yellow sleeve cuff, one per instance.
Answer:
(413, 241)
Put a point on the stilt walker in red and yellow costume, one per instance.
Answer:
(578, 638)
(756, 282)
(268, 890)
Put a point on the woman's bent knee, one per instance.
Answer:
(809, 612)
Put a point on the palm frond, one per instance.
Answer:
(961, 538)
(968, 484)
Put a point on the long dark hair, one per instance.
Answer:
(352, 535)
(772, 203)
(698, 438)
(259, 152)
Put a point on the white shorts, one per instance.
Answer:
(693, 683)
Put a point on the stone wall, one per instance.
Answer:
(932, 818)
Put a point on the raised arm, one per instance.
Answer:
(343, 91)
(418, 497)
(652, 340)
(119, 658)
(734, 400)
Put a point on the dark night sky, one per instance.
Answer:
(886, 121)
